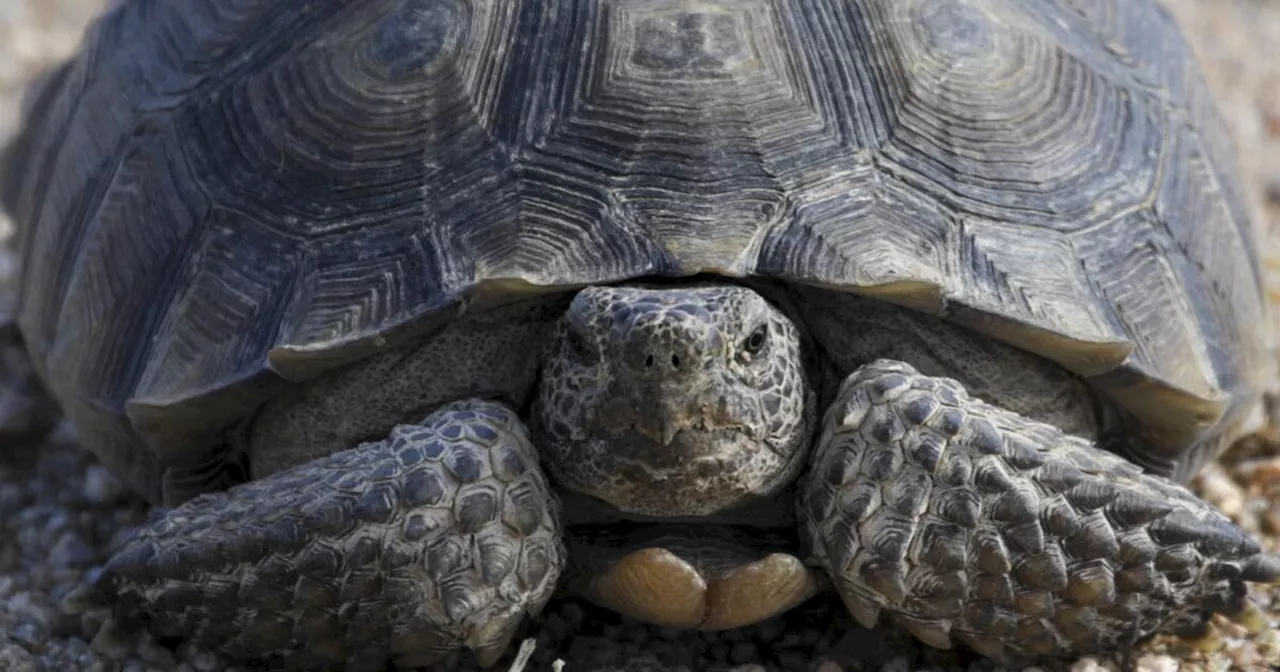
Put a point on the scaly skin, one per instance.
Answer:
(678, 401)
(961, 521)
(965, 522)
(440, 537)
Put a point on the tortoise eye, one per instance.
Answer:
(756, 341)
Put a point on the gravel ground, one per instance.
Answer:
(60, 511)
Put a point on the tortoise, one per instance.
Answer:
(427, 309)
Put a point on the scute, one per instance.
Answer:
(417, 35)
(246, 193)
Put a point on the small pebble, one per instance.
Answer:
(29, 636)
(899, 664)
(1219, 662)
(743, 652)
(1253, 620)
(71, 551)
(200, 660)
(155, 655)
(1268, 643)
(14, 658)
(791, 659)
(1208, 643)
(1160, 663)
(100, 487)
(1089, 664)
(1230, 629)
(1219, 489)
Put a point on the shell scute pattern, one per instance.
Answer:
(865, 145)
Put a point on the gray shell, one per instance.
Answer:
(219, 197)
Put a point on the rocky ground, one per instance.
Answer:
(60, 512)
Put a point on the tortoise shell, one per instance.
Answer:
(219, 198)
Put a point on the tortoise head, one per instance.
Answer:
(674, 401)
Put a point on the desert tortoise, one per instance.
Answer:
(694, 307)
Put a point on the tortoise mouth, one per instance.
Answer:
(698, 473)
(690, 451)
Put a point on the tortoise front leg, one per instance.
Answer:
(966, 522)
(442, 536)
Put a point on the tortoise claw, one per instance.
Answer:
(657, 586)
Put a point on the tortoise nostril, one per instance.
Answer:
(650, 361)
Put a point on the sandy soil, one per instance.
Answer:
(59, 510)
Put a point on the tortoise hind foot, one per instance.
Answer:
(443, 536)
(967, 523)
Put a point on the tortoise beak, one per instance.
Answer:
(652, 414)
(658, 425)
